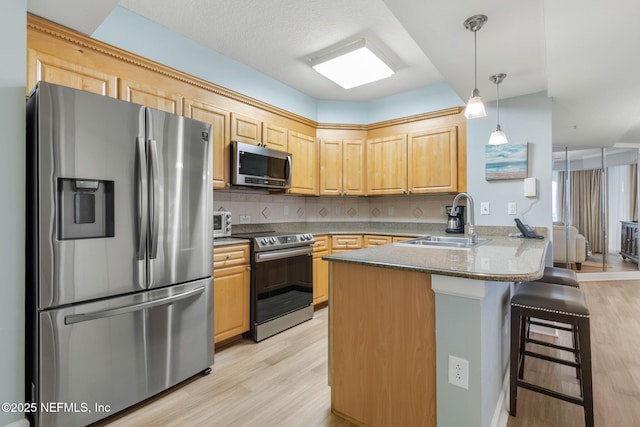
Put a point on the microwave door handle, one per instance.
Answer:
(141, 181)
(83, 317)
(288, 168)
(155, 199)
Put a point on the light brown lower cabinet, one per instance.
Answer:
(345, 242)
(231, 282)
(320, 270)
(375, 240)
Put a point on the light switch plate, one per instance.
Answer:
(484, 208)
(512, 208)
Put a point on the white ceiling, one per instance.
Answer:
(583, 54)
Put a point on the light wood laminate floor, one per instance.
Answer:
(283, 380)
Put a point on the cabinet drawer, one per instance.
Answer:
(401, 238)
(346, 241)
(371, 240)
(228, 256)
(321, 244)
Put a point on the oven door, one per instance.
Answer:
(282, 282)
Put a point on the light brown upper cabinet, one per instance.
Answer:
(219, 120)
(150, 95)
(342, 166)
(304, 160)
(48, 68)
(433, 161)
(246, 129)
(387, 165)
(275, 137)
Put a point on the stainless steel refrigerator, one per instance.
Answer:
(119, 244)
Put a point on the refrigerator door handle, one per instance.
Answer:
(155, 199)
(143, 206)
(101, 314)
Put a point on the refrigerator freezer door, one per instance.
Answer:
(120, 351)
(180, 244)
(81, 137)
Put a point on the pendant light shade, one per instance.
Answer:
(498, 136)
(475, 107)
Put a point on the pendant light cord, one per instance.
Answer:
(498, 104)
(475, 60)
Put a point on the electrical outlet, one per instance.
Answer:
(391, 210)
(484, 208)
(512, 208)
(245, 219)
(286, 210)
(459, 372)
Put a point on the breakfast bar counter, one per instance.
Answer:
(398, 312)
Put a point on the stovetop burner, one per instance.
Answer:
(272, 240)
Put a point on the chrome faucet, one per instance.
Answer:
(472, 234)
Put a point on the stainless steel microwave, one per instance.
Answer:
(221, 224)
(255, 166)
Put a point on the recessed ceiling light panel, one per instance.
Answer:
(353, 65)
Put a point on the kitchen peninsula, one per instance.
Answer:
(398, 312)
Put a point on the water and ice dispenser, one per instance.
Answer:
(85, 208)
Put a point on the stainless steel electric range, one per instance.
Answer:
(281, 281)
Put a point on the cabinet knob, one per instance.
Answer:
(228, 256)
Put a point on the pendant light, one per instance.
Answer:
(475, 107)
(497, 136)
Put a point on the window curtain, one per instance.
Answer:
(586, 205)
(622, 201)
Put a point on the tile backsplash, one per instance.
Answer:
(260, 207)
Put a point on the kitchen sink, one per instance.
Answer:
(443, 241)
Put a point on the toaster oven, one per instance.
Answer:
(221, 224)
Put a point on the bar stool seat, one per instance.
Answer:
(556, 303)
(560, 276)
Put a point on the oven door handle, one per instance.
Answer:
(284, 253)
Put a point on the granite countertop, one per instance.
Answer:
(507, 259)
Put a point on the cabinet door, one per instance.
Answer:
(387, 165)
(219, 120)
(331, 167)
(320, 278)
(246, 129)
(150, 96)
(47, 68)
(230, 302)
(274, 136)
(353, 167)
(304, 156)
(433, 161)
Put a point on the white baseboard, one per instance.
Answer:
(501, 414)
(608, 275)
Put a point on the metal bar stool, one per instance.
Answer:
(557, 303)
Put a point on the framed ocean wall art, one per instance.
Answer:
(507, 161)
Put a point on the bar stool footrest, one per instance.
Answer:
(552, 345)
(550, 325)
(552, 393)
(552, 359)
